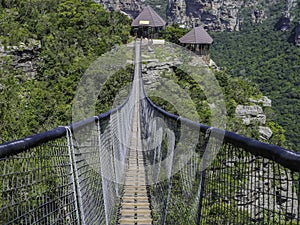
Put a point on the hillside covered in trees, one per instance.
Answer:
(270, 59)
(68, 36)
(266, 56)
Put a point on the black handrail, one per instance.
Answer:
(18, 146)
(23, 144)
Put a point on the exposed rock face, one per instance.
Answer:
(265, 101)
(265, 133)
(152, 72)
(267, 186)
(131, 8)
(212, 14)
(254, 114)
(249, 114)
(218, 15)
(24, 57)
(228, 15)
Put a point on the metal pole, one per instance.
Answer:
(203, 173)
(102, 159)
(202, 183)
(73, 176)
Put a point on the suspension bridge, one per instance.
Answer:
(131, 166)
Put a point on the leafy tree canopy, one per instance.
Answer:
(72, 34)
(265, 57)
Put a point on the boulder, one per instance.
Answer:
(265, 101)
(265, 133)
(25, 57)
(250, 113)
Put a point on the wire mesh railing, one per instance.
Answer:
(36, 186)
(202, 175)
(69, 175)
(173, 167)
(72, 177)
(243, 188)
(247, 182)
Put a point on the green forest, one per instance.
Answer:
(264, 57)
(235, 90)
(267, 58)
(72, 34)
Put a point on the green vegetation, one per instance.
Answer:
(72, 35)
(265, 57)
(174, 32)
(236, 91)
(69, 35)
(224, 179)
(114, 86)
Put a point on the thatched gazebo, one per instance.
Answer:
(148, 24)
(199, 41)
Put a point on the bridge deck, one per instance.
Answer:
(135, 203)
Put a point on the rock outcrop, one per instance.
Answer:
(265, 101)
(152, 72)
(217, 15)
(267, 187)
(22, 57)
(250, 114)
(265, 133)
(129, 7)
(254, 114)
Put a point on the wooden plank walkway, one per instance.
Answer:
(135, 203)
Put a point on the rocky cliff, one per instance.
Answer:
(227, 15)
(130, 7)
(219, 15)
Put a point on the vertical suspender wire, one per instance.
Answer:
(203, 175)
(105, 200)
(116, 151)
(74, 178)
(119, 161)
(159, 154)
(171, 146)
(113, 150)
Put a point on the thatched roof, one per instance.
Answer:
(197, 36)
(149, 18)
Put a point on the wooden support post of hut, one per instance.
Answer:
(198, 41)
(148, 24)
